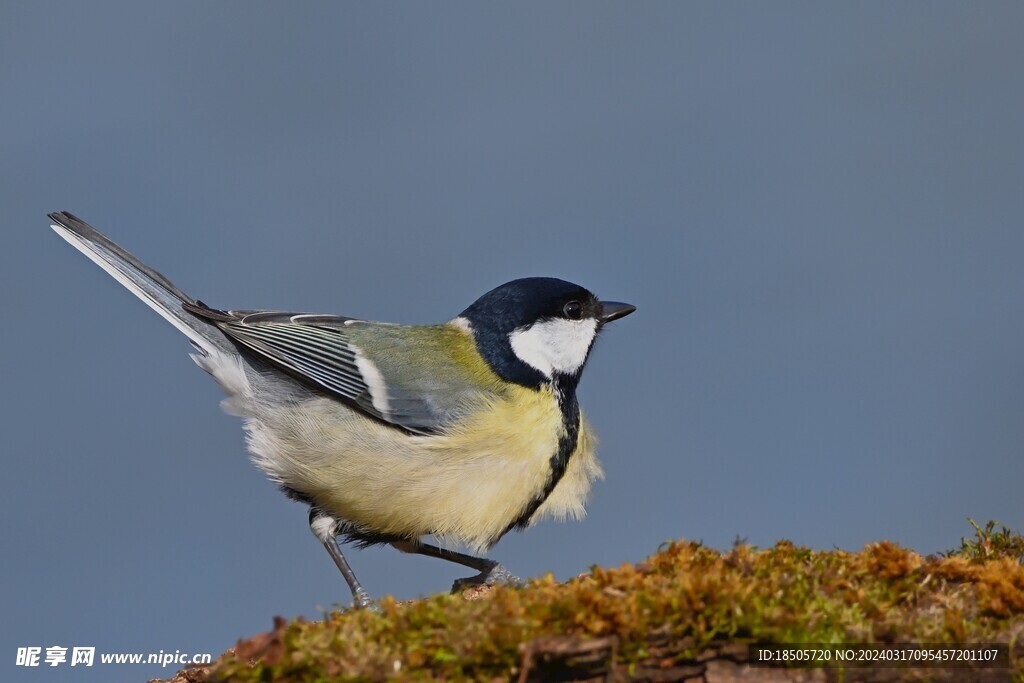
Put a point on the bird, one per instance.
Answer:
(462, 431)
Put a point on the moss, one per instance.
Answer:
(668, 611)
(989, 543)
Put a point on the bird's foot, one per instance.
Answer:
(491, 576)
(362, 600)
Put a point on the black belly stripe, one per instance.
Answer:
(565, 394)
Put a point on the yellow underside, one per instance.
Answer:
(466, 485)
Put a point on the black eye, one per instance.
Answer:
(573, 310)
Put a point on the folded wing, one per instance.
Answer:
(377, 368)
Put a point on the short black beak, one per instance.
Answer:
(613, 310)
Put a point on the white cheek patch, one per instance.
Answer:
(556, 345)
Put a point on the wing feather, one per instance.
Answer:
(327, 351)
(324, 357)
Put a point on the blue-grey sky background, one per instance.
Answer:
(816, 207)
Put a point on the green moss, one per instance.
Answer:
(990, 544)
(681, 602)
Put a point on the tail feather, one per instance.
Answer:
(147, 284)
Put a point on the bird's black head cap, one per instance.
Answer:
(520, 304)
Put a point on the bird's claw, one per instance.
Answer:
(362, 600)
(488, 577)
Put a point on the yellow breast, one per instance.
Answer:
(467, 484)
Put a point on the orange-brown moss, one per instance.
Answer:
(670, 610)
(662, 612)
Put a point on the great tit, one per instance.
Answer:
(463, 430)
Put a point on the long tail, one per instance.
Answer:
(147, 284)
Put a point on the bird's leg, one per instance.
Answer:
(323, 527)
(491, 572)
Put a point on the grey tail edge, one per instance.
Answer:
(154, 289)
